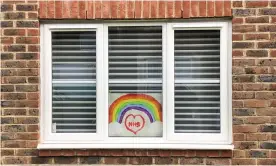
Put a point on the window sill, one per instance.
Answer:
(137, 146)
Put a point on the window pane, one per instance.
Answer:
(74, 82)
(135, 81)
(197, 81)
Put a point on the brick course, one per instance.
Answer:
(254, 88)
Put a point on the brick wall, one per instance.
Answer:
(254, 97)
(254, 45)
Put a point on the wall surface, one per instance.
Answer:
(254, 87)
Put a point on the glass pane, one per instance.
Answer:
(197, 77)
(135, 81)
(74, 82)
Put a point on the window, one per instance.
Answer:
(136, 85)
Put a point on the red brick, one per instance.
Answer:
(237, 87)
(210, 8)
(82, 9)
(273, 137)
(82, 153)
(273, 19)
(50, 9)
(13, 80)
(246, 145)
(106, 9)
(177, 9)
(266, 112)
(237, 4)
(186, 8)
(178, 152)
(237, 53)
(239, 137)
(56, 153)
(267, 28)
(237, 37)
(138, 11)
(91, 10)
(44, 153)
(12, 16)
(27, 40)
(256, 120)
(227, 8)
(244, 128)
(27, 24)
(114, 8)
(115, 160)
(273, 3)
(238, 71)
(122, 9)
(256, 53)
(32, 32)
(243, 95)
(15, 160)
(32, 16)
(244, 161)
(201, 153)
(273, 53)
(68, 152)
(244, 28)
(219, 7)
(256, 36)
(237, 104)
(7, 152)
(255, 103)
(14, 48)
(255, 87)
(58, 9)
(164, 153)
(130, 9)
(213, 153)
(267, 161)
(33, 96)
(265, 95)
(14, 32)
(190, 153)
(242, 45)
(27, 136)
(239, 154)
(256, 4)
(74, 9)
(237, 20)
(170, 8)
(66, 9)
(194, 8)
(7, 40)
(262, 19)
(153, 153)
(43, 9)
(203, 8)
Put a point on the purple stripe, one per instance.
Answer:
(139, 108)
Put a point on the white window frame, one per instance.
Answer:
(170, 140)
(207, 138)
(46, 84)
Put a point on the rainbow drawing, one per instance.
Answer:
(141, 102)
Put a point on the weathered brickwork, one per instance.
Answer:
(254, 87)
(254, 82)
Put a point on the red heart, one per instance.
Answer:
(134, 124)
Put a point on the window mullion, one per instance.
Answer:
(170, 81)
